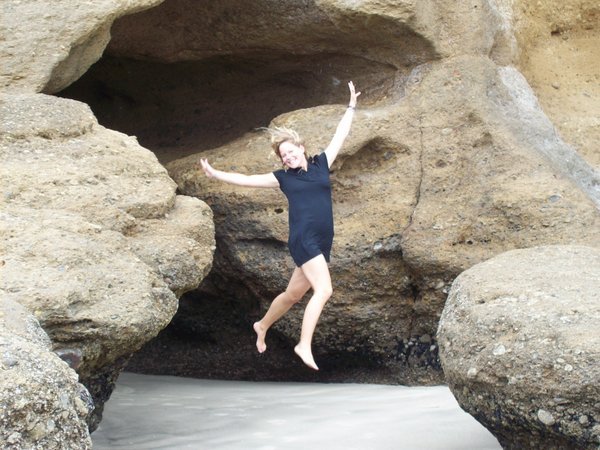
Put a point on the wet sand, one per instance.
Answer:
(164, 412)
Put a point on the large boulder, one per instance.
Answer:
(463, 167)
(42, 404)
(519, 345)
(96, 244)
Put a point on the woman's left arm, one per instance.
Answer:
(343, 127)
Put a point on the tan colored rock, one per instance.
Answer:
(46, 46)
(519, 344)
(42, 404)
(95, 242)
(402, 33)
(465, 166)
(462, 163)
(559, 54)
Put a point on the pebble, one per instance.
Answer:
(545, 417)
(499, 350)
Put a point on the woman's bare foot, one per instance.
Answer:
(260, 337)
(306, 356)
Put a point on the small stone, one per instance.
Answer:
(545, 417)
(472, 372)
(499, 350)
(425, 339)
(556, 85)
(14, 438)
(584, 420)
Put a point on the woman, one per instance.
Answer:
(305, 182)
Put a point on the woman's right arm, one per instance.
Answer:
(266, 180)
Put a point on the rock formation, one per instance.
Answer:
(96, 243)
(47, 47)
(450, 161)
(520, 346)
(455, 135)
(559, 51)
(42, 405)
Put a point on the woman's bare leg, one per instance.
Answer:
(317, 273)
(297, 287)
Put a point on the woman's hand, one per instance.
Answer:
(353, 95)
(207, 168)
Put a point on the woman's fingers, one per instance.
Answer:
(353, 94)
(206, 167)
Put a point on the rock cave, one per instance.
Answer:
(180, 94)
(476, 134)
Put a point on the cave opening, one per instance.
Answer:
(183, 81)
(187, 76)
(180, 108)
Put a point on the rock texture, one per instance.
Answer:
(46, 47)
(42, 404)
(95, 242)
(519, 344)
(559, 48)
(424, 188)
(451, 159)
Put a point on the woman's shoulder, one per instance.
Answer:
(320, 159)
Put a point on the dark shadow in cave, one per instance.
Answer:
(176, 109)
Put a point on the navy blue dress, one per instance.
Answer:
(310, 209)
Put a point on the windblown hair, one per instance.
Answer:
(279, 135)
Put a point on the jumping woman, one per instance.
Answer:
(305, 182)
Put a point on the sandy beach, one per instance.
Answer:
(164, 412)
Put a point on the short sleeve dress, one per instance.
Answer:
(310, 209)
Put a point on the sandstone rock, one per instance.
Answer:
(42, 404)
(45, 47)
(96, 243)
(519, 345)
(401, 33)
(559, 44)
(424, 188)
(461, 162)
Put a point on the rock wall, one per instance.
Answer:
(451, 160)
(559, 48)
(47, 47)
(96, 243)
(424, 189)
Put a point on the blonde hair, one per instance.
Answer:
(279, 135)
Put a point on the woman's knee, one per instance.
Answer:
(324, 291)
(294, 296)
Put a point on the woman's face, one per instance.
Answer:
(292, 155)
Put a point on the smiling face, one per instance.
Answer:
(292, 155)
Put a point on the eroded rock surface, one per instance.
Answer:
(42, 404)
(559, 55)
(45, 47)
(423, 189)
(95, 242)
(519, 344)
